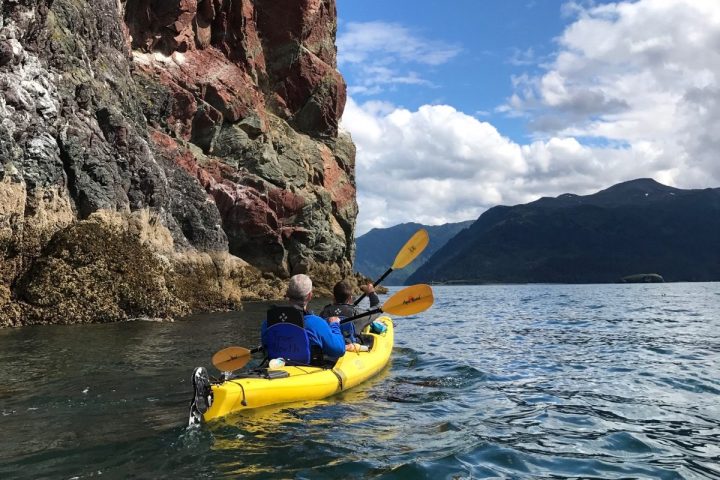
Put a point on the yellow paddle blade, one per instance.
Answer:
(231, 358)
(410, 300)
(411, 249)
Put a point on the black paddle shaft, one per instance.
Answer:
(361, 315)
(375, 284)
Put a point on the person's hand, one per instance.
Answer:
(366, 289)
(334, 320)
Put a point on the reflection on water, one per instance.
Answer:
(605, 381)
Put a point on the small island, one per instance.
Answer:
(643, 278)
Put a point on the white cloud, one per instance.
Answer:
(382, 55)
(633, 91)
(627, 72)
(437, 165)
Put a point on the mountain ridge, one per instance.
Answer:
(376, 249)
(639, 226)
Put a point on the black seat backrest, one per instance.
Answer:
(341, 310)
(290, 315)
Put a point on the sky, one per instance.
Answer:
(456, 106)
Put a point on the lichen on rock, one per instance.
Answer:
(98, 270)
(113, 267)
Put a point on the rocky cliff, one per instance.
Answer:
(159, 157)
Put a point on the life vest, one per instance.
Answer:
(342, 310)
(286, 336)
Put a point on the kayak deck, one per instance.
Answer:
(300, 383)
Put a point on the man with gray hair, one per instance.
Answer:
(298, 336)
(299, 291)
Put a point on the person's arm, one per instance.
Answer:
(331, 338)
(374, 300)
(369, 290)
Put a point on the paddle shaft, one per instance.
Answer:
(361, 315)
(375, 284)
(407, 254)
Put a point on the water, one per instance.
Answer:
(553, 381)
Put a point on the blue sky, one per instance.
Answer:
(461, 105)
(492, 41)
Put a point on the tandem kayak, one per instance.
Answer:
(263, 387)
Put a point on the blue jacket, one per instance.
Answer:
(325, 335)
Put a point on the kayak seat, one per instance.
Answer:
(366, 340)
(349, 332)
(343, 311)
(286, 336)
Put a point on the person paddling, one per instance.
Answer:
(344, 307)
(298, 336)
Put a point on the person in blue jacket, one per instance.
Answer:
(324, 336)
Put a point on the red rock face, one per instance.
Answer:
(299, 37)
(225, 87)
(337, 182)
(293, 68)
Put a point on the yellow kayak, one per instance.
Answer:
(300, 383)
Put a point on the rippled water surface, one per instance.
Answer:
(554, 381)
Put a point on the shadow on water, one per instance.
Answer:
(557, 381)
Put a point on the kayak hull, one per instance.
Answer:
(303, 383)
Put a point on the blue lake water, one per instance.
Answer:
(549, 381)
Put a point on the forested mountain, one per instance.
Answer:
(376, 250)
(640, 226)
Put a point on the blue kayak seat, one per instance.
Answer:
(286, 336)
(349, 332)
